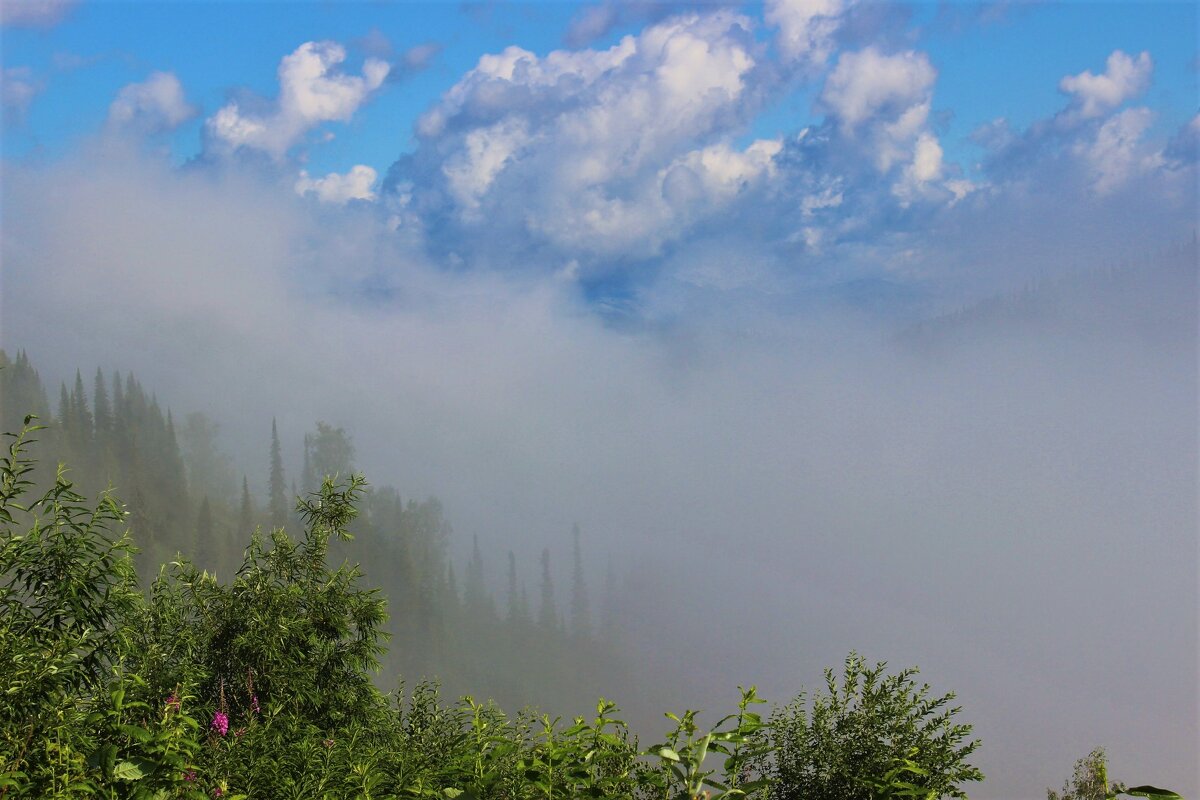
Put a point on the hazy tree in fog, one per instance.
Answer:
(278, 499)
(205, 546)
(514, 599)
(208, 469)
(547, 613)
(103, 415)
(81, 415)
(246, 511)
(581, 615)
(477, 600)
(327, 452)
(608, 624)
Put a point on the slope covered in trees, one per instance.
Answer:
(184, 495)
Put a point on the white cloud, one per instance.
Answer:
(471, 171)
(310, 92)
(925, 167)
(1116, 154)
(336, 188)
(882, 102)
(610, 151)
(867, 83)
(154, 105)
(18, 87)
(34, 13)
(1124, 78)
(727, 170)
(806, 27)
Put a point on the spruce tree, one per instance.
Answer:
(547, 613)
(246, 514)
(608, 629)
(581, 617)
(476, 593)
(65, 418)
(278, 499)
(205, 544)
(103, 410)
(81, 413)
(513, 598)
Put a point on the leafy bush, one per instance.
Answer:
(1090, 782)
(261, 687)
(873, 735)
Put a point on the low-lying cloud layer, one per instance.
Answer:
(587, 295)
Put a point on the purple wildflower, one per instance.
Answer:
(220, 723)
(254, 703)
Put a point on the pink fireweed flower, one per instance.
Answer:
(189, 776)
(173, 703)
(220, 723)
(254, 703)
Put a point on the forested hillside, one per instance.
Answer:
(541, 644)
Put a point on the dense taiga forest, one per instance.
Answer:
(183, 496)
(199, 643)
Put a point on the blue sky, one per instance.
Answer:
(1000, 62)
(859, 143)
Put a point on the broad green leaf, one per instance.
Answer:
(1152, 792)
(128, 771)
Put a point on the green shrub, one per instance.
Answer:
(874, 735)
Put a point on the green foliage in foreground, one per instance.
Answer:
(868, 734)
(260, 688)
(1090, 782)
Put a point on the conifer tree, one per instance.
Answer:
(581, 617)
(513, 599)
(452, 585)
(205, 546)
(608, 629)
(81, 413)
(476, 593)
(547, 613)
(174, 478)
(65, 417)
(523, 606)
(278, 500)
(246, 513)
(21, 391)
(103, 409)
(307, 477)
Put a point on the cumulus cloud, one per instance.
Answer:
(18, 88)
(311, 91)
(154, 105)
(868, 83)
(881, 102)
(596, 143)
(1089, 145)
(336, 188)
(1124, 78)
(34, 13)
(806, 28)
(1117, 152)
